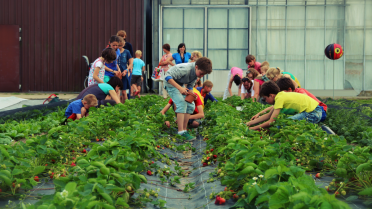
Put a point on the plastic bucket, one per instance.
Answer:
(190, 97)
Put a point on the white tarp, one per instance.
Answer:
(9, 101)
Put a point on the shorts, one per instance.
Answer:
(126, 82)
(106, 102)
(179, 100)
(106, 78)
(73, 116)
(324, 115)
(136, 79)
(313, 117)
(196, 120)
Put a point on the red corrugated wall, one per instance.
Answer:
(56, 33)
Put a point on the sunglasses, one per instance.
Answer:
(245, 79)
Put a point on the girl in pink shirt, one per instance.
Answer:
(251, 62)
(235, 75)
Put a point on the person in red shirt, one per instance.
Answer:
(286, 84)
(195, 118)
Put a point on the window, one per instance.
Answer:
(227, 33)
(184, 25)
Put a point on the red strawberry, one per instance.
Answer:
(53, 160)
(46, 164)
(212, 150)
(84, 151)
(235, 196)
(214, 156)
(225, 189)
(73, 150)
(73, 158)
(205, 164)
(208, 158)
(317, 175)
(152, 162)
(97, 140)
(337, 193)
(207, 152)
(218, 199)
(36, 178)
(222, 201)
(149, 173)
(73, 164)
(63, 175)
(1, 190)
(51, 175)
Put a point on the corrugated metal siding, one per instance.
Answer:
(55, 34)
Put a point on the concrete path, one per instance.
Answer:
(40, 96)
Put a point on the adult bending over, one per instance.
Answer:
(235, 75)
(104, 92)
(247, 88)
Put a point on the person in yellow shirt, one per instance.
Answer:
(298, 105)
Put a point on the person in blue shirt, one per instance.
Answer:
(112, 69)
(181, 56)
(205, 91)
(138, 68)
(125, 63)
(79, 108)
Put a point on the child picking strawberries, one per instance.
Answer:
(175, 78)
(79, 108)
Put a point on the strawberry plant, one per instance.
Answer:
(268, 168)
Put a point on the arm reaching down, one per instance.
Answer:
(273, 114)
(114, 96)
(256, 89)
(198, 115)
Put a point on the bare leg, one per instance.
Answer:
(83, 111)
(123, 96)
(194, 124)
(185, 121)
(139, 91)
(133, 89)
(180, 121)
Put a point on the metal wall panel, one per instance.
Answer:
(55, 34)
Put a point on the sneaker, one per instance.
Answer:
(188, 136)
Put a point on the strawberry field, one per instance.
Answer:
(125, 157)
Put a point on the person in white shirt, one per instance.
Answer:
(247, 88)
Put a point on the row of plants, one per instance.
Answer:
(36, 123)
(351, 120)
(87, 174)
(28, 113)
(267, 169)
